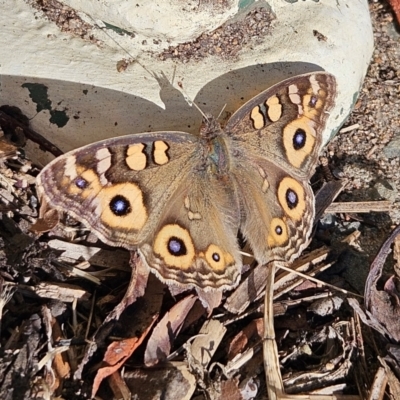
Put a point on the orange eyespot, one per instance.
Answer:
(291, 197)
(217, 258)
(175, 246)
(278, 234)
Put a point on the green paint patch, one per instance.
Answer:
(245, 3)
(118, 30)
(60, 118)
(39, 95)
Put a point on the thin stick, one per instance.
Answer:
(359, 207)
(315, 280)
(273, 376)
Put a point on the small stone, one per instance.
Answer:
(392, 149)
(327, 221)
(327, 306)
(386, 189)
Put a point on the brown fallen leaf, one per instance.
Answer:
(252, 332)
(209, 300)
(116, 355)
(230, 390)
(384, 304)
(396, 255)
(161, 340)
(46, 222)
(7, 149)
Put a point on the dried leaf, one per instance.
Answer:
(7, 149)
(252, 332)
(230, 390)
(209, 300)
(396, 255)
(205, 345)
(116, 355)
(159, 345)
(46, 222)
(384, 304)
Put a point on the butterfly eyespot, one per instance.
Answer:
(81, 183)
(120, 206)
(291, 198)
(216, 257)
(176, 247)
(124, 200)
(313, 101)
(279, 233)
(299, 139)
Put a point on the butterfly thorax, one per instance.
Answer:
(216, 158)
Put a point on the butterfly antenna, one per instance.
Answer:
(222, 110)
(104, 30)
(188, 98)
(191, 102)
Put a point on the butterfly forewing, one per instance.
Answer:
(118, 186)
(284, 124)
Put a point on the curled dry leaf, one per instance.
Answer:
(160, 342)
(384, 304)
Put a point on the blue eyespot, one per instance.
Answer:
(313, 101)
(120, 205)
(81, 183)
(291, 198)
(216, 257)
(176, 247)
(299, 139)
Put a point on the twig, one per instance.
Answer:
(359, 207)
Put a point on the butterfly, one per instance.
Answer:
(180, 200)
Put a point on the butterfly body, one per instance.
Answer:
(180, 199)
